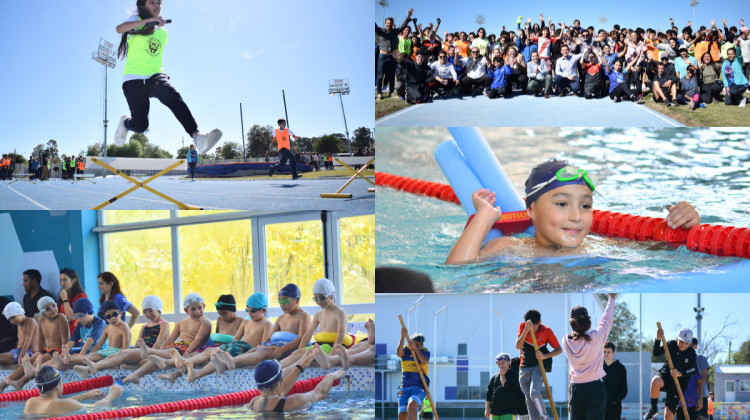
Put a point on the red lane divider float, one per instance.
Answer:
(68, 388)
(726, 241)
(235, 398)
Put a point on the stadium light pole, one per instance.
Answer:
(698, 317)
(383, 4)
(694, 4)
(602, 19)
(105, 56)
(341, 87)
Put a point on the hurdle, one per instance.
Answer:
(142, 184)
(339, 194)
(21, 177)
(82, 177)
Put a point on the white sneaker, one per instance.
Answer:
(122, 133)
(744, 101)
(206, 142)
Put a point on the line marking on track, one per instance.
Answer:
(658, 115)
(28, 198)
(387, 117)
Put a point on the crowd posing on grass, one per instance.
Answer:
(679, 66)
(46, 335)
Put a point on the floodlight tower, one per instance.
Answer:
(383, 4)
(341, 87)
(698, 318)
(694, 4)
(479, 20)
(105, 56)
(602, 19)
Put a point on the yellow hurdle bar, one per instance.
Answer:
(142, 184)
(339, 194)
(21, 177)
(81, 178)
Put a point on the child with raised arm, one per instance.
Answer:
(50, 403)
(189, 335)
(559, 202)
(142, 46)
(28, 337)
(116, 335)
(251, 333)
(153, 334)
(282, 136)
(53, 333)
(331, 319)
(284, 334)
(268, 377)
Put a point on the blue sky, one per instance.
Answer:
(675, 311)
(220, 53)
(644, 13)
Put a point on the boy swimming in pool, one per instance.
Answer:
(49, 402)
(189, 335)
(251, 333)
(54, 333)
(284, 334)
(331, 319)
(116, 334)
(559, 202)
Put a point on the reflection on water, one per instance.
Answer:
(637, 171)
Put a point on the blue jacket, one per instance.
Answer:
(739, 77)
(192, 156)
(500, 76)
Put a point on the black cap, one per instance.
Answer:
(108, 306)
(226, 303)
(579, 312)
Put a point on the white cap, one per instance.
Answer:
(192, 298)
(43, 302)
(324, 287)
(152, 302)
(685, 335)
(12, 309)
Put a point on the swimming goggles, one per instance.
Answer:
(565, 174)
(253, 310)
(285, 301)
(114, 314)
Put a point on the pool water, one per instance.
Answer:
(637, 171)
(337, 405)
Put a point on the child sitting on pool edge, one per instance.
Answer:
(559, 203)
(116, 334)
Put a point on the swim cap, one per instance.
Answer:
(226, 303)
(267, 373)
(12, 309)
(109, 305)
(257, 300)
(152, 302)
(43, 302)
(47, 378)
(83, 306)
(324, 287)
(542, 174)
(290, 290)
(192, 298)
(502, 356)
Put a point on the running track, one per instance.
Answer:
(526, 111)
(280, 194)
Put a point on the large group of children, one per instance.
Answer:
(64, 337)
(679, 66)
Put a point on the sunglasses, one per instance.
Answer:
(253, 310)
(565, 174)
(114, 315)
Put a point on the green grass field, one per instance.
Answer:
(713, 115)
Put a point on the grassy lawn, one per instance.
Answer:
(340, 173)
(390, 105)
(713, 115)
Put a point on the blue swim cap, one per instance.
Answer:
(108, 306)
(257, 300)
(47, 378)
(267, 373)
(290, 290)
(543, 173)
(83, 306)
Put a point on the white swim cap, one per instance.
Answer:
(12, 309)
(192, 298)
(152, 302)
(324, 287)
(43, 302)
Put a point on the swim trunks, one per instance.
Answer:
(108, 351)
(16, 352)
(236, 347)
(182, 346)
(50, 351)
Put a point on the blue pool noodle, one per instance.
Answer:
(487, 168)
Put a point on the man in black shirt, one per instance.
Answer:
(616, 383)
(387, 43)
(417, 74)
(684, 361)
(502, 391)
(32, 280)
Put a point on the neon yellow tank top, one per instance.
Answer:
(145, 53)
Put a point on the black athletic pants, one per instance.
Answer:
(614, 411)
(621, 90)
(285, 154)
(138, 92)
(587, 401)
(710, 91)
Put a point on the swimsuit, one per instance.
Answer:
(182, 346)
(236, 347)
(279, 405)
(16, 352)
(151, 333)
(50, 351)
(108, 351)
